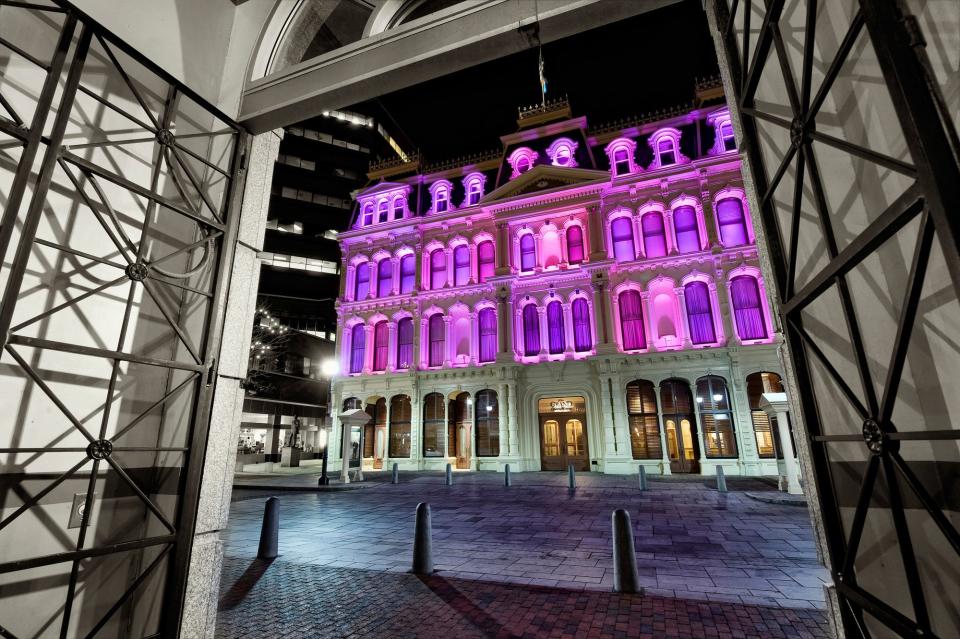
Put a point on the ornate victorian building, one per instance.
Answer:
(583, 297)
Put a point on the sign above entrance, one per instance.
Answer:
(561, 406)
(571, 404)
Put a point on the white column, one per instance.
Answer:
(349, 286)
(367, 349)
(423, 351)
(544, 332)
(391, 347)
(775, 405)
(447, 346)
(474, 340)
(683, 331)
(661, 426)
(395, 280)
(504, 420)
(512, 427)
(474, 275)
(669, 233)
(647, 319)
(416, 425)
(449, 256)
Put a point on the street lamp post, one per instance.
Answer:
(329, 368)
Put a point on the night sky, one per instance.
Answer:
(624, 69)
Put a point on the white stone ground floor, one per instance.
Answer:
(597, 388)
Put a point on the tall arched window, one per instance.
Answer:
(699, 313)
(631, 321)
(488, 334)
(715, 415)
(765, 429)
(434, 421)
(622, 232)
(531, 330)
(384, 277)
(399, 207)
(405, 343)
(474, 191)
(582, 335)
(555, 328)
(378, 419)
(575, 245)
(685, 227)
(745, 296)
(461, 265)
(361, 284)
(642, 415)
(380, 346)
(441, 200)
(408, 273)
(654, 237)
(528, 252)
(667, 150)
(357, 338)
(383, 211)
(733, 224)
(679, 426)
(366, 216)
(436, 331)
(486, 260)
(438, 269)
(400, 412)
(487, 417)
(621, 161)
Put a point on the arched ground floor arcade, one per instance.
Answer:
(671, 413)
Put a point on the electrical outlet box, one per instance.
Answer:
(76, 511)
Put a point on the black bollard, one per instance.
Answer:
(721, 480)
(643, 477)
(571, 478)
(422, 542)
(626, 578)
(396, 474)
(507, 481)
(270, 531)
(449, 475)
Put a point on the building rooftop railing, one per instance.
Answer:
(475, 158)
(644, 118)
(389, 163)
(526, 112)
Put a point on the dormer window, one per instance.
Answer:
(440, 201)
(562, 151)
(399, 207)
(665, 143)
(383, 211)
(620, 153)
(440, 194)
(473, 186)
(521, 161)
(724, 139)
(366, 217)
(382, 203)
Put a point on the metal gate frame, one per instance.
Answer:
(934, 197)
(218, 226)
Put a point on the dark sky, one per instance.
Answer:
(623, 69)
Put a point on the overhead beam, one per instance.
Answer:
(462, 36)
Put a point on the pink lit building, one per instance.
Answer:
(585, 297)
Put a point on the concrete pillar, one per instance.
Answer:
(391, 347)
(775, 405)
(648, 326)
(416, 426)
(544, 330)
(683, 331)
(368, 349)
(503, 249)
(448, 252)
(600, 315)
(663, 435)
(514, 437)
(726, 312)
(598, 249)
(669, 232)
(395, 280)
(474, 340)
(474, 276)
(447, 345)
(504, 420)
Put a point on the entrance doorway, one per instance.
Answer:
(459, 430)
(563, 433)
(680, 427)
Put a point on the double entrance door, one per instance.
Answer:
(563, 434)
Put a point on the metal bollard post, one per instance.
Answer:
(643, 477)
(449, 475)
(571, 478)
(721, 480)
(507, 481)
(626, 577)
(396, 474)
(422, 541)
(270, 530)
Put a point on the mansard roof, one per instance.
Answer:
(544, 178)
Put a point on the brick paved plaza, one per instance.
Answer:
(527, 561)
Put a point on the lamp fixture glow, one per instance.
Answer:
(330, 367)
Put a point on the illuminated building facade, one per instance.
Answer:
(585, 297)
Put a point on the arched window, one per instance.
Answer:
(679, 426)
(383, 211)
(654, 237)
(767, 433)
(575, 245)
(438, 269)
(461, 265)
(434, 421)
(667, 150)
(436, 336)
(385, 277)
(621, 161)
(361, 284)
(528, 252)
(642, 415)
(399, 207)
(488, 334)
(551, 250)
(474, 191)
(685, 227)
(726, 135)
(352, 403)
(622, 232)
(531, 330)
(378, 419)
(631, 321)
(716, 417)
(441, 200)
(408, 273)
(733, 224)
(367, 215)
(523, 164)
(582, 335)
(696, 296)
(404, 343)
(488, 424)
(745, 296)
(380, 346)
(486, 258)
(357, 339)
(555, 328)
(400, 413)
